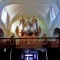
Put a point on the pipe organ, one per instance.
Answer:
(28, 27)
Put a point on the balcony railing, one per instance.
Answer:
(53, 42)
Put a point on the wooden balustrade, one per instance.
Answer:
(30, 43)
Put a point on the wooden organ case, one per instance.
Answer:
(28, 31)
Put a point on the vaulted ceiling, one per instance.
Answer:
(41, 8)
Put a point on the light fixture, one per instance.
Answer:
(28, 55)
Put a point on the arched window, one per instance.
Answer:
(4, 16)
(52, 13)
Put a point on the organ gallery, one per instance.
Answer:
(30, 30)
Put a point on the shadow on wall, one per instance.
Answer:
(1, 33)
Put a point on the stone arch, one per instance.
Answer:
(56, 31)
(1, 33)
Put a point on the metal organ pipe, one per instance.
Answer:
(28, 26)
(35, 25)
(21, 27)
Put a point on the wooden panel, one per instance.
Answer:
(30, 43)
